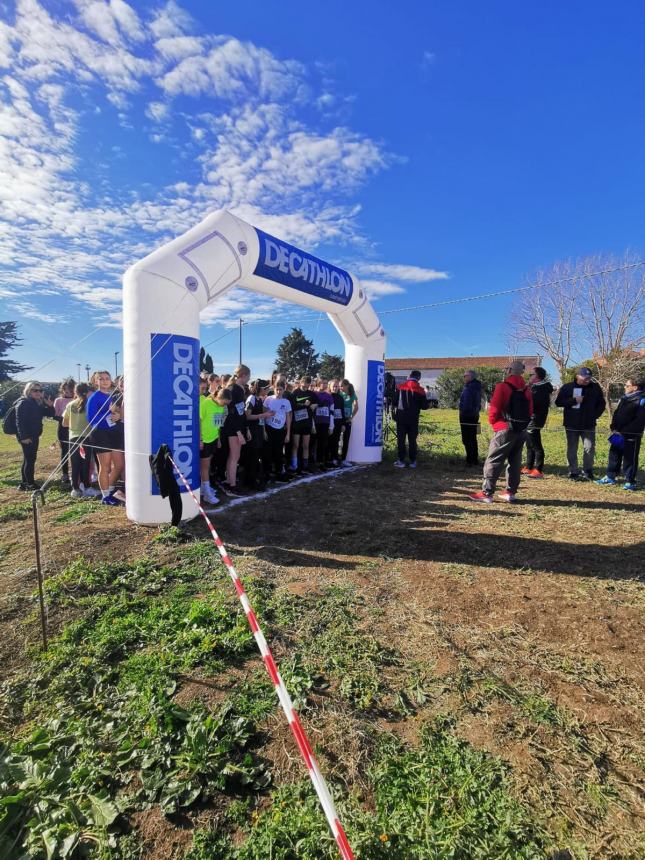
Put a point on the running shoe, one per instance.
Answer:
(119, 495)
(507, 496)
(399, 465)
(574, 476)
(413, 465)
(606, 480)
(110, 500)
(629, 486)
(346, 463)
(482, 497)
(91, 493)
(232, 491)
(533, 473)
(588, 476)
(525, 470)
(65, 480)
(77, 494)
(209, 496)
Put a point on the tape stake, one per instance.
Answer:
(284, 698)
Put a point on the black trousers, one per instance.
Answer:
(627, 456)
(469, 440)
(80, 465)
(322, 449)
(334, 440)
(347, 433)
(410, 431)
(63, 441)
(534, 449)
(29, 454)
(276, 447)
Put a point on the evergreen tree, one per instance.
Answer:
(296, 356)
(9, 340)
(205, 361)
(331, 366)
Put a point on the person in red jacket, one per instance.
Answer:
(411, 399)
(509, 413)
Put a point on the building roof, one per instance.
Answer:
(500, 361)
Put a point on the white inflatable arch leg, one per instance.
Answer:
(162, 297)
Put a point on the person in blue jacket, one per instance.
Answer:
(470, 404)
(627, 425)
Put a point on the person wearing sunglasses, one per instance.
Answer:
(32, 407)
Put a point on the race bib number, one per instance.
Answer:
(218, 419)
(338, 413)
(300, 415)
(240, 408)
(322, 412)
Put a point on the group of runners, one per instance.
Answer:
(250, 433)
(255, 432)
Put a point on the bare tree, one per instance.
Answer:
(547, 314)
(594, 306)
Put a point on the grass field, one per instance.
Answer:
(470, 677)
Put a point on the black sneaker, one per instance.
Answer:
(589, 475)
(574, 476)
(232, 491)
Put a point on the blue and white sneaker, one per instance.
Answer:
(605, 481)
(110, 500)
(628, 486)
(399, 465)
(413, 465)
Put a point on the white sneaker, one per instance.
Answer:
(77, 494)
(209, 497)
(119, 495)
(346, 463)
(91, 493)
(399, 465)
(507, 497)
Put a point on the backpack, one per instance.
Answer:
(519, 410)
(9, 421)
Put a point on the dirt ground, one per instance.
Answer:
(546, 594)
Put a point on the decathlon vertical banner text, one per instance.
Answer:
(175, 402)
(374, 403)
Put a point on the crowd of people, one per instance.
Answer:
(518, 413)
(252, 433)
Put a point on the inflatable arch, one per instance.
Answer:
(162, 297)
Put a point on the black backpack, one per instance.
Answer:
(519, 409)
(9, 421)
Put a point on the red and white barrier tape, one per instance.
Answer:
(283, 695)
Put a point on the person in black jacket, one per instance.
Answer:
(541, 389)
(470, 404)
(30, 410)
(411, 399)
(628, 424)
(583, 403)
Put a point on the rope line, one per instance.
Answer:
(271, 666)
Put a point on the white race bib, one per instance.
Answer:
(322, 412)
(338, 413)
(300, 415)
(240, 408)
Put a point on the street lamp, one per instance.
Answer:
(116, 364)
(78, 371)
(87, 370)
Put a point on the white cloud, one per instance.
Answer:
(66, 231)
(401, 272)
(157, 111)
(113, 21)
(170, 21)
(381, 288)
(234, 71)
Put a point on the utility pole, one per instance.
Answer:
(116, 364)
(87, 370)
(241, 324)
(78, 371)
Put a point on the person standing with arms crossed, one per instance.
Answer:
(583, 403)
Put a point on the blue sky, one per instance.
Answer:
(438, 150)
